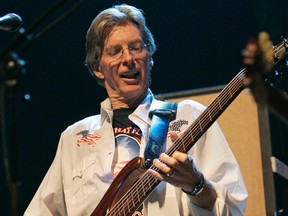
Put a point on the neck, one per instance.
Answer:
(122, 102)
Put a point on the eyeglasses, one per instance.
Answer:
(116, 52)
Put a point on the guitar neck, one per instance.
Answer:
(140, 190)
(146, 183)
(209, 116)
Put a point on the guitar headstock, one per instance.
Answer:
(280, 70)
(266, 53)
(260, 59)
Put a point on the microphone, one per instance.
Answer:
(10, 22)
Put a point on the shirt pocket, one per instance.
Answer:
(84, 181)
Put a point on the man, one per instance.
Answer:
(258, 59)
(92, 151)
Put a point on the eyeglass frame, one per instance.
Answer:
(120, 52)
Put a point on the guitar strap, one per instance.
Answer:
(161, 116)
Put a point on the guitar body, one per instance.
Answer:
(121, 184)
(133, 185)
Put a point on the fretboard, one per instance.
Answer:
(146, 183)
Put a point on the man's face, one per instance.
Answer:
(125, 64)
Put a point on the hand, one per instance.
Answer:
(178, 170)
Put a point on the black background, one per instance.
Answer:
(199, 45)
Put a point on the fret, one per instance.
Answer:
(122, 211)
(231, 94)
(183, 143)
(133, 205)
(150, 185)
(200, 126)
(211, 110)
(209, 114)
(228, 96)
(189, 137)
(219, 103)
(143, 189)
(133, 197)
(138, 195)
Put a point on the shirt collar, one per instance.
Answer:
(141, 111)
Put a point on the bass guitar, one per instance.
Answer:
(133, 185)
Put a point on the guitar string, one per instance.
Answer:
(211, 111)
(126, 203)
(225, 95)
(197, 130)
(197, 127)
(148, 182)
(235, 86)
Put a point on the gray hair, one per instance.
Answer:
(102, 25)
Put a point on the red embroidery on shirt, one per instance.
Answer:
(87, 138)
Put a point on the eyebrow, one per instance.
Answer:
(119, 45)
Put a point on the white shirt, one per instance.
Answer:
(81, 171)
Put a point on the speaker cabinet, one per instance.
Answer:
(246, 129)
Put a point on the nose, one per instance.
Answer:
(127, 56)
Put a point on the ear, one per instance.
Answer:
(97, 71)
(99, 74)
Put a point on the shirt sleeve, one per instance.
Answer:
(49, 198)
(214, 158)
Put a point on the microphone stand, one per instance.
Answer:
(11, 68)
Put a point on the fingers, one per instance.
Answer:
(173, 135)
(166, 164)
(167, 168)
(177, 163)
(170, 161)
(165, 171)
(178, 170)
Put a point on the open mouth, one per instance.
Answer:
(130, 75)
